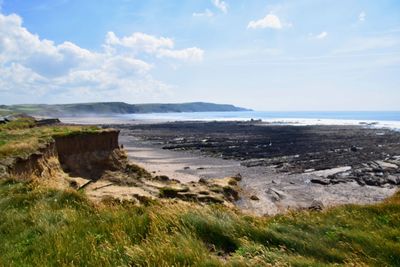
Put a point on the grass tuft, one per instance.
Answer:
(47, 227)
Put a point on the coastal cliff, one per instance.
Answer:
(103, 225)
(94, 162)
(90, 154)
(81, 154)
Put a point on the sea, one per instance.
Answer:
(385, 119)
(378, 119)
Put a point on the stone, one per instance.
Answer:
(276, 194)
(386, 165)
(238, 177)
(203, 181)
(393, 179)
(316, 205)
(254, 197)
(323, 181)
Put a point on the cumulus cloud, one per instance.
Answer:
(221, 5)
(206, 13)
(362, 16)
(158, 46)
(31, 65)
(140, 42)
(269, 21)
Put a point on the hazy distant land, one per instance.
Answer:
(102, 108)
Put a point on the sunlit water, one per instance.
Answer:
(390, 119)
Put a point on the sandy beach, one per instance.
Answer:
(282, 167)
(264, 182)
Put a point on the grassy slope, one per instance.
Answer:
(47, 227)
(43, 227)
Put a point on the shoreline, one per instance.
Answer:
(177, 150)
(124, 119)
(276, 192)
(152, 147)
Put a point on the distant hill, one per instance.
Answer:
(102, 108)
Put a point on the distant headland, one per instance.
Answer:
(100, 108)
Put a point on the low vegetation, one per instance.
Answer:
(21, 138)
(47, 227)
(41, 226)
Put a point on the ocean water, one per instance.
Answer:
(389, 119)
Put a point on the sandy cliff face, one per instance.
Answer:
(93, 162)
(85, 155)
(43, 165)
(89, 155)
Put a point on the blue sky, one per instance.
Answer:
(266, 55)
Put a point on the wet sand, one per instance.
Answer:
(276, 191)
(282, 167)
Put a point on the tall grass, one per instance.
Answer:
(46, 227)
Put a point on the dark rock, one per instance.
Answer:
(44, 122)
(203, 181)
(323, 181)
(237, 177)
(254, 197)
(393, 179)
(316, 205)
(162, 178)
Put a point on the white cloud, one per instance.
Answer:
(31, 65)
(139, 42)
(362, 16)
(160, 47)
(322, 35)
(206, 13)
(269, 21)
(188, 54)
(221, 5)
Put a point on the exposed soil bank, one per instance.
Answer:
(88, 155)
(94, 162)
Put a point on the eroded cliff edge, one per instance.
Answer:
(93, 162)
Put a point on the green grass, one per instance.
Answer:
(47, 227)
(21, 138)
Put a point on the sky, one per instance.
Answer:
(266, 55)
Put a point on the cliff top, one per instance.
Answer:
(21, 137)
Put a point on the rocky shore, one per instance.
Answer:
(283, 167)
